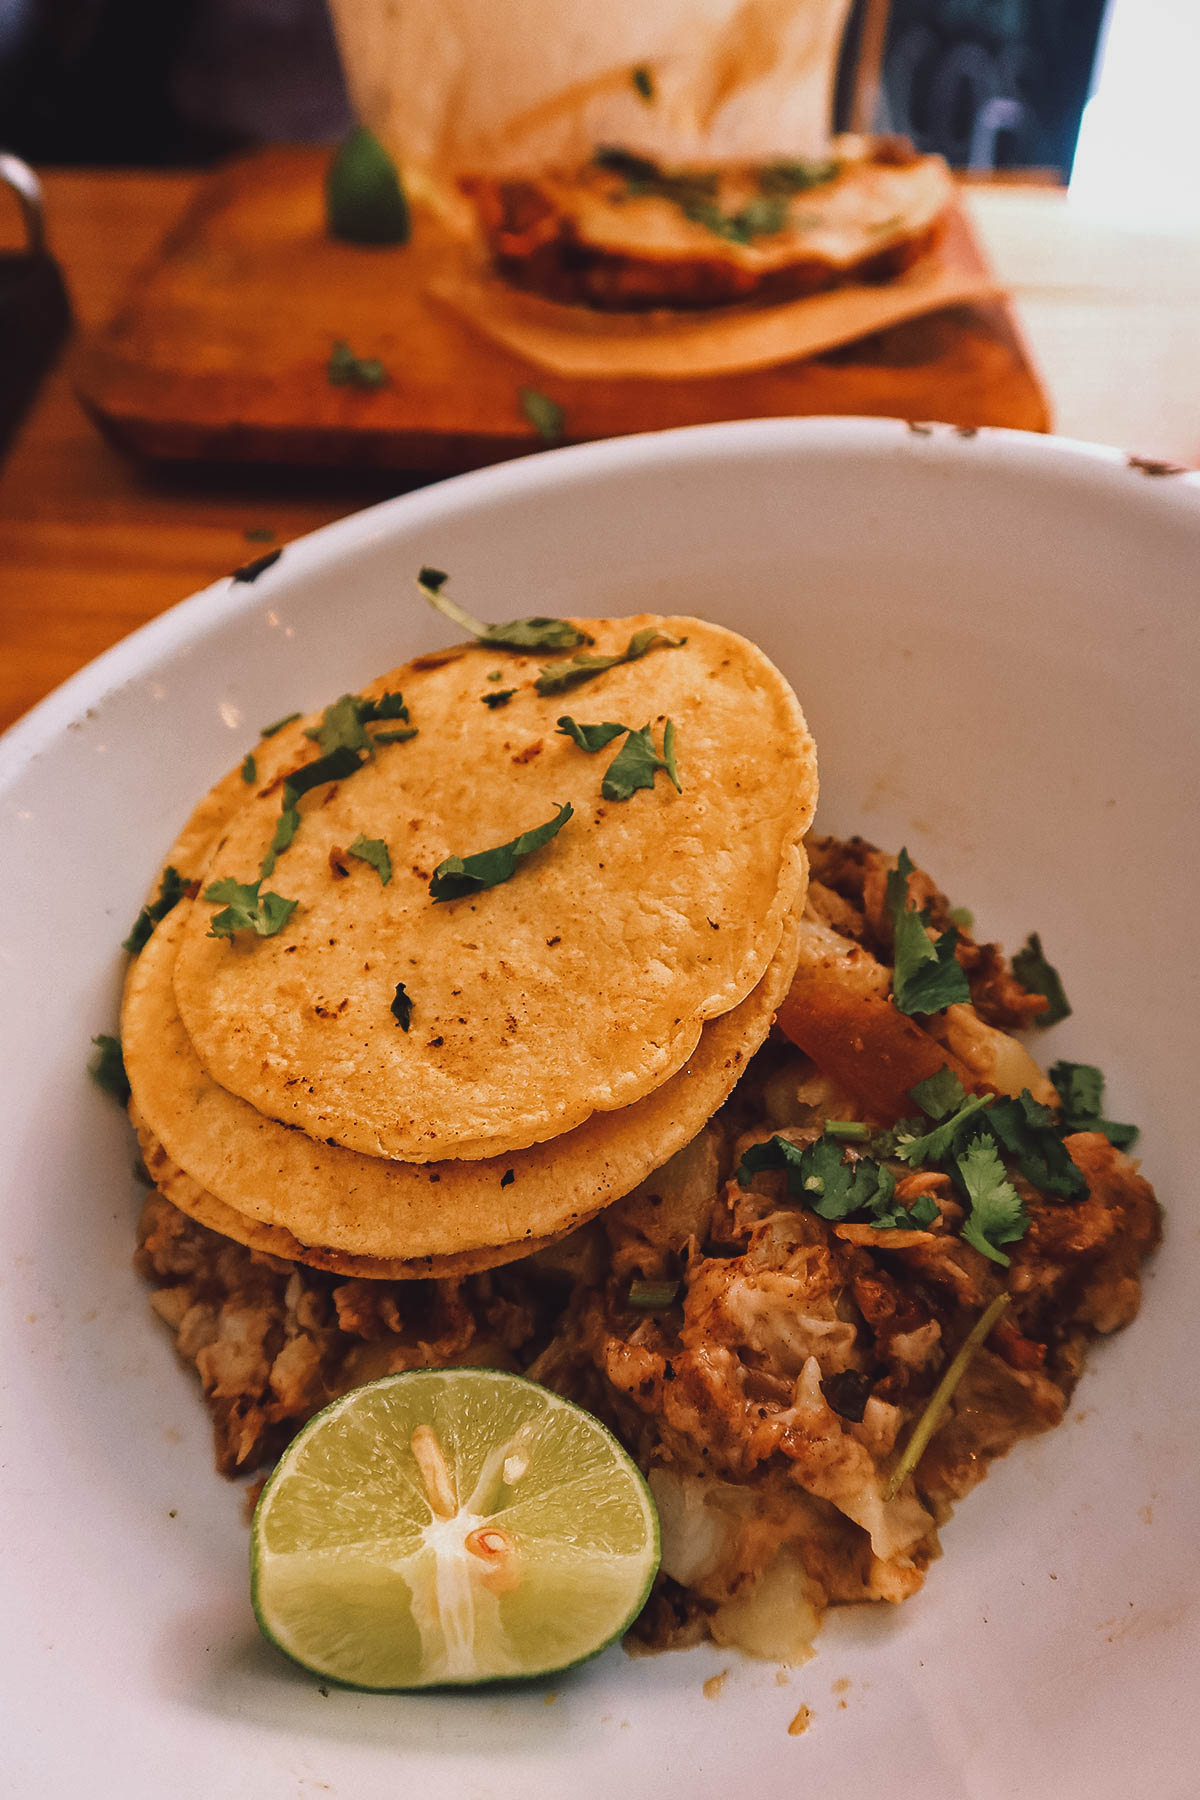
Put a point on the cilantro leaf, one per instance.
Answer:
(459, 875)
(252, 570)
(171, 890)
(787, 177)
(519, 634)
(820, 1178)
(400, 736)
(287, 719)
(498, 697)
(341, 726)
(997, 1214)
(936, 1145)
(107, 1068)
(939, 1095)
(895, 1215)
(401, 1008)
(556, 677)
(1028, 1132)
(249, 767)
(344, 369)
(286, 827)
(637, 762)
(246, 910)
(388, 706)
(927, 975)
(1037, 976)
(545, 415)
(375, 852)
(589, 737)
(643, 82)
(339, 762)
(1081, 1089)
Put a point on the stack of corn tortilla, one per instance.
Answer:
(395, 1070)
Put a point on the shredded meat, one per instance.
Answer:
(856, 873)
(725, 1395)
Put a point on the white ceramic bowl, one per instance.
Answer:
(997, 640)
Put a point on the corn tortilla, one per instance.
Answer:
(577, 986)
(337, 1202)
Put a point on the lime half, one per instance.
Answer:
(450, 1526)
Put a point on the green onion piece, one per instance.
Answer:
(848, 1130)
(652, 1296)
(939, 1403)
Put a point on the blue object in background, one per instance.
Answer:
(991, 83)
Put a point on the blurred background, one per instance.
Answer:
(989, 83)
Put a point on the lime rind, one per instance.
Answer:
(355, 1578)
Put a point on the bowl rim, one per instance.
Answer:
(1068, 459)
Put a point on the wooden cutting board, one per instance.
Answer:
(220, 353)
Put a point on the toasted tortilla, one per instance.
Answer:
(612, 238)
(177, 1186)
(577, 986)
(219, 1160)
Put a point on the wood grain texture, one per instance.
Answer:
(220, 353)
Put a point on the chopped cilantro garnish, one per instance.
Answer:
(545, 415)
(637, 762)
(337, 763)
(287, 719)
(249, 768)
(107, 1067)
(246, 910)
(643, 82)
(344, 369)
(364, 200)
(500, 697)
(495, 675)
(252, 570)
(341, 726)
(400, 736)
(459, 875)
(783, 178)
(375, 852)
(556, 677)
(761, 217)
(1037, 976)
(388, 706)
(1081, 1089)
(286, 827)
(918, 1217)
(402, 1007)
(927, 975)
(997, 1214)
(259, 534)
(652, 1296)
(918, 1148)
(171, 890)
(1028, 1132)
(820, 1178)
(962, 916)
(847, 1131)
(939, 1095)
(519, 634)
(589, 737)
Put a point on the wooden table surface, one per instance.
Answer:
(91, 547)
